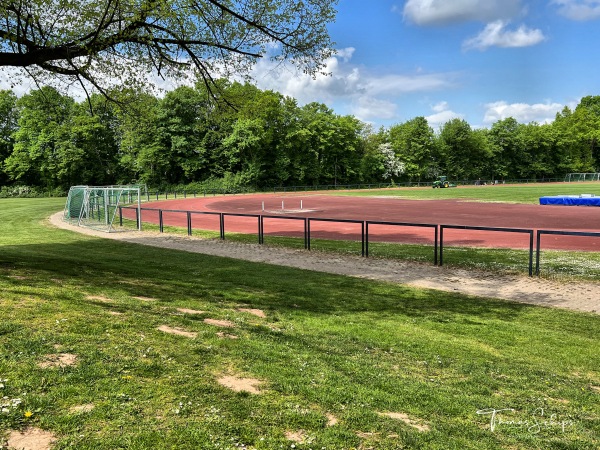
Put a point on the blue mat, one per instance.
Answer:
(570, 200)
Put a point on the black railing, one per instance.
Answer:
(404, 224)
(258, 222)
(557, 233)
(438, 240)
(303, 219)
(362, 229)
(490, 229)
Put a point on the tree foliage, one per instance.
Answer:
(189, 136)
(101, 42)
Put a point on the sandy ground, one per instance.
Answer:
(571, 295)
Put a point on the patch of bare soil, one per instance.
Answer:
(237, 384)
(331, 420)
(31, 439)
(58, 360)
(255, 312)
(406, 419)
(82, 408)
(144, 299)
(18, 277)
(581, 296)
(190, 311)
(99, 298)
(595, 388)
(220, 323)
(227, 336)
(177, 331)
(296, 436)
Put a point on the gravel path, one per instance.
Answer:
(571, 295)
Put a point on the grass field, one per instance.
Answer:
(341, 363)
(521, 193)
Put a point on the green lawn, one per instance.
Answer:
(520, 193)
(329, 347)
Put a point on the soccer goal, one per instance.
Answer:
(97, 206)
(582, 177)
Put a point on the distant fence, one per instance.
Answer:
(438, 243)
(359, 186)
(208, 192)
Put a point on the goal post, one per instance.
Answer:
(97, 206)
(590, 176)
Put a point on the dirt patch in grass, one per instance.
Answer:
(237, 384)
(220, 323)
(331, 420)
(255, 312)
(366, 434)
(145, 299)
(31, 439)
(227, 336)
(296, 436)
(190, 311)
(115, 313)
(406, 419)
(82, 408)
(177, 331)
(99, 298)
(595, 388)
(58, 360)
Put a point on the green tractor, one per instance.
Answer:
(442, 182)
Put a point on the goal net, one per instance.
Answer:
(582, 177)
(97, 206)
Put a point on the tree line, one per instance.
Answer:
(240, 136)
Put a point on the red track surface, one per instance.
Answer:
(446, 212)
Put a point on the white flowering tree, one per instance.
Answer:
(392, 165)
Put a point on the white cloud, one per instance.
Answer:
(578, 9)
(442, 114)
(495, 34)
(367, 95)
(522, 112)
(366, 108)
(441, 12)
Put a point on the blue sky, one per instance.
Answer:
(480, 60)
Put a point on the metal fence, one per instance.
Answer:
(438, 230)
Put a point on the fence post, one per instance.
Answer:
(441, 245)
(120, 216)
(160, 220)
(531, 253)
(435, 246)
(537, 254)
(308, 233)
(261, 230)
(367, 239)
(305, 233)
(362, 232)
(222, 226)
(189, 223)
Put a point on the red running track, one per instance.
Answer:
(446, 212)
